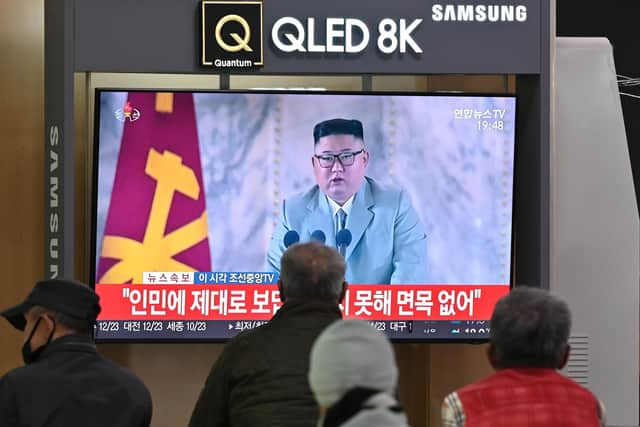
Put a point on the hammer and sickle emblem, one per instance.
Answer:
(243, 43)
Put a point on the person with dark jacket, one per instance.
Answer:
(260, 379)
(65, 382)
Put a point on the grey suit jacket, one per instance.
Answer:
(389, 244)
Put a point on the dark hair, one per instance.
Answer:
(338, 127)
(80, 326)
(530, 328)
(312, 270)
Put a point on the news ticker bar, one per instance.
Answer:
(219, 329)
(210, 278)
(261, 302)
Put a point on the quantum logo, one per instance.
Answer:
(232, 34)
(127, 113)
(242, 42)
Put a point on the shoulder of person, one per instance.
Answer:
(242, 351)
(24, 373)
(379, 417)
(384, 193)
(123, 375)
(244, 341)
(302, 199)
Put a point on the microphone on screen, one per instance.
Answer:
(343, 239)
(318, 236)
(290, 238)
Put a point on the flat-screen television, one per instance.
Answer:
(197, 194)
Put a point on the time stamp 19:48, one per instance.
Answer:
(489, 119)
(490, 125)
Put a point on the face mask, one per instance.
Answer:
(30, 356)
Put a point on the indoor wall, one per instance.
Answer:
(21, 160)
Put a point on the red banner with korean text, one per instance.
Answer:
(260, 302)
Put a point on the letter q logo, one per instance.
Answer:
(242, 42)
(232, 33)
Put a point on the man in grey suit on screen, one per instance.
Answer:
(388, 242)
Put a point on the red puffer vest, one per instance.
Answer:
(528, 397)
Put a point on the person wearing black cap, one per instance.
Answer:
(65, 382)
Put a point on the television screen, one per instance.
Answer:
(198, 194)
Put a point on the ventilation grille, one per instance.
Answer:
(578, 368)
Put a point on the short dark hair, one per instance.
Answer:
(312, 271)
(338, 127)
(80, 326)
(530, 328)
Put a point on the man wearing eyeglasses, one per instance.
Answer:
(388, 242)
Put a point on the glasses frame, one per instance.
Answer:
(337, 157)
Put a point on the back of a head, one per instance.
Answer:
(348, 354)
(312, 271)
(530, 328)
(338, 127)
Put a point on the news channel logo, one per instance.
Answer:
(128, 112)
(232, 34)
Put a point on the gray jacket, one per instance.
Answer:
(377, 413)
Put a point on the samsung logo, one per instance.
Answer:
(54, 204)
(478, 13)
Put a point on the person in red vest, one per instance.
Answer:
(528, 345)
